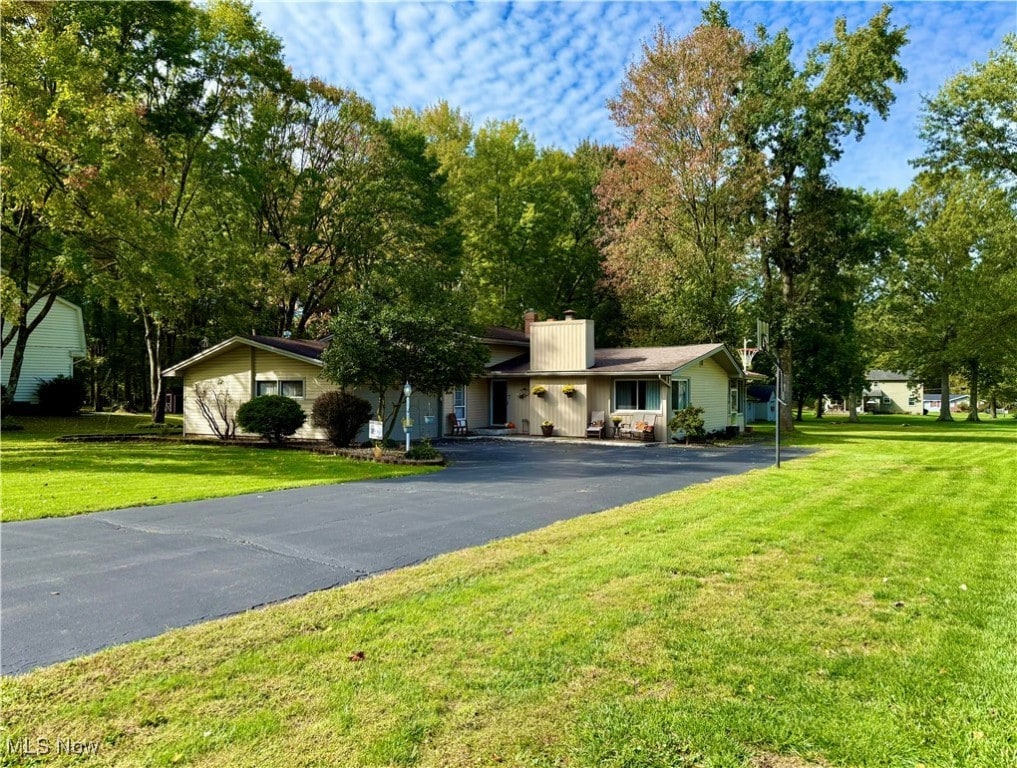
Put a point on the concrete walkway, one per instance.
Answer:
(75, 585)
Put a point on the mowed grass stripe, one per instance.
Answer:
(815, 613)
(44, 478)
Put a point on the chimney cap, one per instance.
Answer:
(570, 314)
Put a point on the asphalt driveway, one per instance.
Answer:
(72, 586)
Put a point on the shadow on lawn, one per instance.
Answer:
(166, 457)
(898, 437)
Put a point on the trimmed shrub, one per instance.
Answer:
(423, 450)
(274, 417)
(61, 396)
(342, 415)
(690, 421)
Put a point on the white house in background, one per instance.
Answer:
(892, 392)
(933, 402)
(55, 345)
(761, 402)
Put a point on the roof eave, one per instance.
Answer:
(222, 346)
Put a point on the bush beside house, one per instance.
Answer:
(274, 417)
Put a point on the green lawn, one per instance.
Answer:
(857, 607)
(44, 478)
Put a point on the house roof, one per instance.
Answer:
(623, 360)
(878, 375)
(936, 397)
(504, 335)
(309, 348)
(306, 350)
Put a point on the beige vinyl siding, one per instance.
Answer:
(240, 368)
(569, 414)
(229, 372)
(51, 351)
(502, 352)
(478, 403)
(600, 391)
(518, 407)
(708, 384)
(898, 392)
(565, 345)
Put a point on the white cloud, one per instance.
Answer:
(553, 65)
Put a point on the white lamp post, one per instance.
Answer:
(407, 423)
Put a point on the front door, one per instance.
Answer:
(499, 401)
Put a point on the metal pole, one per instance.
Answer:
(407, 421)
(780, 384)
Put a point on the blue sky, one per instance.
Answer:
(553, 65)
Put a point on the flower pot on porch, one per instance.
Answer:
(547, 430)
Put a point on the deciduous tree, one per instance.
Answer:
(379, 342)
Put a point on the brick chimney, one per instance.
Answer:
(529, 319)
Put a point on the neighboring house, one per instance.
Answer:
(892, 392)
(761, 402)
(933, 402)
(53, 348)
(629, 382)
(248, 366)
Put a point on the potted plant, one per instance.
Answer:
(569, 390)
(616, 419)
(547, 427)
(539, 390)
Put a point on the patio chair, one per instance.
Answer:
(648, 431)
(596, 426)
(456, 426)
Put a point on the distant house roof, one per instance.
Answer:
(615, 361)
(877, 375)
(937, 397)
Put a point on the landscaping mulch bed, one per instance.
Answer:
(388, 456)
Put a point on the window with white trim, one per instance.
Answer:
(459, 403)
(733, 395)
(680, 394)
(637, 395)
(289, 388)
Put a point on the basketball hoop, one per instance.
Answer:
(747, 354)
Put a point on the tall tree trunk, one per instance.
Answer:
(994, 406)
(944, 397)
(973, 396)
(852, 405)
(152, 347)
(819, 407)
(21, 336)
(801, 406)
